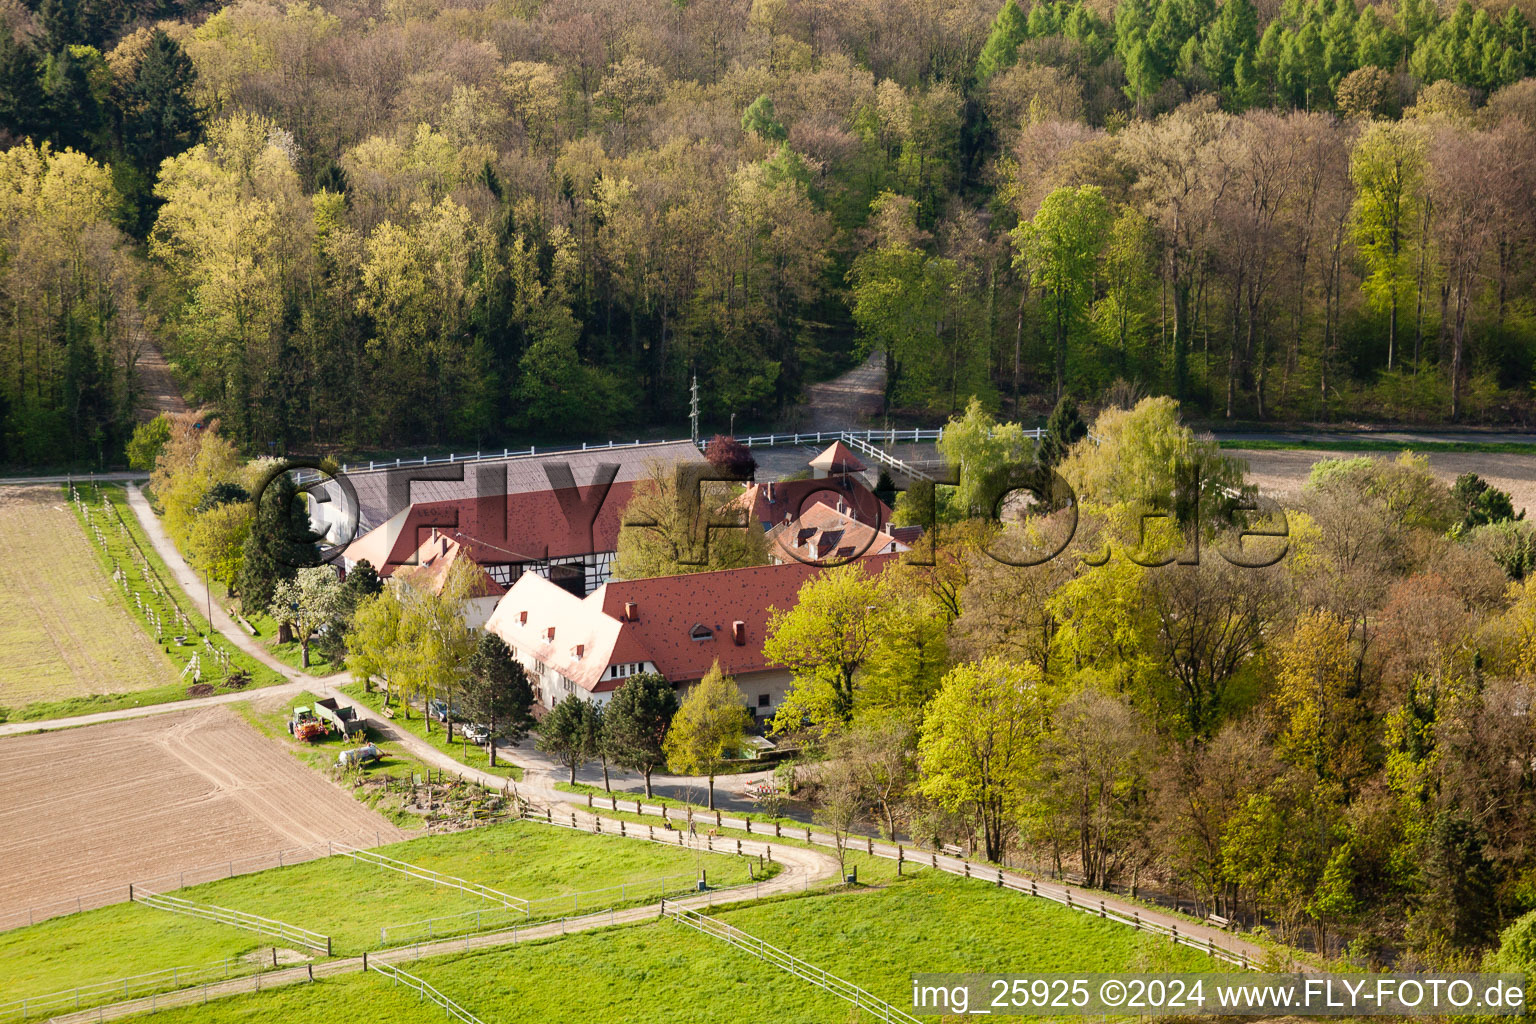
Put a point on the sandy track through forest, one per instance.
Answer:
(84, 809)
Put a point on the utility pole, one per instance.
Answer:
(693, 407)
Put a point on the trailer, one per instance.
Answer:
(342, 718)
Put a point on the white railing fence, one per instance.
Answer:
(464, 886)
(891, 436)
(132, 987)
(180, 879)
(449, 925)
(1231, 949)
(280, 930)
(398, 977)
(874, 1006)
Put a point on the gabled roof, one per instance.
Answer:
(786, 500)
(434, 560)
(524, 527)
(668, 611)
(838, 458)
(534, 606)
(822, 533)
(517, 474)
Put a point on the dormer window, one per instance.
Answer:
(701, 632)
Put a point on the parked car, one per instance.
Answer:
(356, 757)
(476, 733)
(439, 710)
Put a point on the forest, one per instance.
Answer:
(375, 225)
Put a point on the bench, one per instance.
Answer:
(951, 850)
(389, 712)
(1224, 923)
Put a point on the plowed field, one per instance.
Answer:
(143, 800)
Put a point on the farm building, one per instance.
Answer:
(509, 518)
(783, 501)
(434, 559)
(675, 625)
(570, 535)
(828, 534)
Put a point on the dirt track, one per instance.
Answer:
(1281, 473)
(84, 809)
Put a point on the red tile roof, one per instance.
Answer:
(668, 608)
(786, 500)
(434, 560)
(525, 527)
(825, 534)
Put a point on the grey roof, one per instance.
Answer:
(386, 490)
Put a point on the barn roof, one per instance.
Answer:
(386, 491)
(681, 624)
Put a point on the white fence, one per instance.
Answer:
(173, 880)
(471, 921)
(464, 886)
(122, 989)
(450, 1008)
(280, 930)
(1231, 949)
(877, 1008)
(909, 436)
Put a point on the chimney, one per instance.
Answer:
(631, 611)
(550, 633)
(522, 618)
(770, 494)
(739, 633)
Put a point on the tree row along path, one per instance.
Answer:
(800, 868)
(537, 788)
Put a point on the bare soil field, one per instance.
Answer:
(84, 809)
(1281, 473)
(65, 632)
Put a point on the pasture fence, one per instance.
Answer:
(173, 880)
(129, 988)
(281, 930)
(471, 921)
(462, 885)
(425, 991)
(1230, 949)
(871, 1005)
